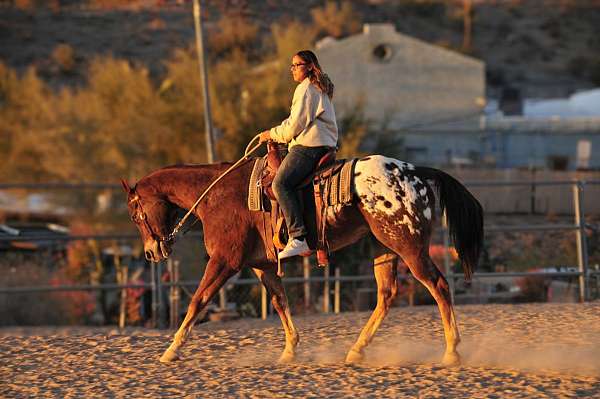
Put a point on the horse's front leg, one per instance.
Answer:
(276, 291)
(215, 275)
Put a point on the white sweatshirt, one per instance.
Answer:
(312, 119)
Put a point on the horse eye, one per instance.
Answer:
(142, 216)
(134, 217)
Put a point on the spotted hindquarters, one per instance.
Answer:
(391, 193)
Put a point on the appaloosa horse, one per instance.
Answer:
(392, 200)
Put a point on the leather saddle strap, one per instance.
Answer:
(319, 189)
(268, 234)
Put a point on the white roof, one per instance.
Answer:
(586, 103)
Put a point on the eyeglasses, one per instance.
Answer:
(296, 66)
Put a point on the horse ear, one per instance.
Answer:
(125, 186)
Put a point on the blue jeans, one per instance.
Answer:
(296, 166)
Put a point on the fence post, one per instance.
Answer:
(121, 276)
(124, 272)
(326, 289)
(532, 194)
(174, 296)
(154, 295)
(263, 302)
(159, 291)
(306, 270)
(582, 259)
(223, 298)
(336, 290)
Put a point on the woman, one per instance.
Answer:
(310, 131)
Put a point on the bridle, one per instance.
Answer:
(141, 215)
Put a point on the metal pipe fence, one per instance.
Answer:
(578, 226)
(175, 286)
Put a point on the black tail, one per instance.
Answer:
(464, 215)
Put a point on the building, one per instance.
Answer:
(558, 134)
(433, 100)
(408, 85)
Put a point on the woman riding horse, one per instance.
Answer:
(310, 132)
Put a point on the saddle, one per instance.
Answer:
(275, 154)
(261, 188)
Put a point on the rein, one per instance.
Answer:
(247, 153)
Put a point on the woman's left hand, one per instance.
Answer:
(265, 136)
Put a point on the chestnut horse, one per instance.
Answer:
(392, 200)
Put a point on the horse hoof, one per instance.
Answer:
(354, 357)
(451, 359)
(170, 355)
(286, 358)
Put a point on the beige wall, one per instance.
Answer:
(416, 83)
(548, 199)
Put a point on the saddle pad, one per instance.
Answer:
(255, 197)
(340, 185)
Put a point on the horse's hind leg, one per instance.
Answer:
(424, 270)
(215, 275)
(387, 288)
(276, 291)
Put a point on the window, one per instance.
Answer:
(382, 53)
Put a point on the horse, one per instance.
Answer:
(392, 199)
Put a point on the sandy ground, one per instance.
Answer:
(508, 351)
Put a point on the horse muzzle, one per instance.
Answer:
(156, 251)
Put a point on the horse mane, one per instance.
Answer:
(185, 166)
(150, 180)
(191, 166)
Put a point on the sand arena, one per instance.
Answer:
(532, 350)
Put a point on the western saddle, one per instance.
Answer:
(275, 154)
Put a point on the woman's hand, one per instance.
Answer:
(265, 136)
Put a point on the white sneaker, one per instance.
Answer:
(294, 247)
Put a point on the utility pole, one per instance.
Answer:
(467, 24)
(210, 151)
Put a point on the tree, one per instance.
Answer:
(289, 38)
(25, 110)
(234, 32)
(360, 136)
(336, 20)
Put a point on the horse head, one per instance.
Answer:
(154, 218)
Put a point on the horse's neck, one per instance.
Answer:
(183, 185)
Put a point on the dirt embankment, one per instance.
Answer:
(544, 48)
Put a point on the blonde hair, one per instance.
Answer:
(316, 74)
